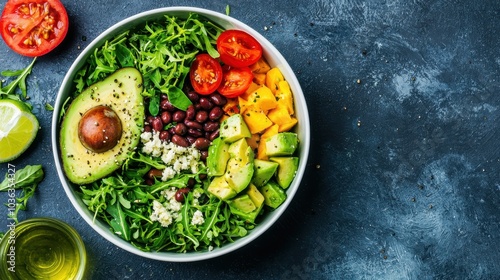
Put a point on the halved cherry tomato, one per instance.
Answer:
(235, 81)
(33, 27)
(205, 74)
(238, 48)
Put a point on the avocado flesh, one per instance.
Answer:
(263, 171)
(286, 171)
(273, 194)
(234, 128)
(221, 189)
(121, 91)
(282, 144)
(240, 168)
(218, 156)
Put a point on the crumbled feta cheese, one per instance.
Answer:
(197, 218)
(176, 158)
(167, 212)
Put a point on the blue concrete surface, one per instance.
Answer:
(403, 179)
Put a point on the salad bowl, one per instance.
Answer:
(273, 57)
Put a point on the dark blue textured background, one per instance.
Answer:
(403, 177)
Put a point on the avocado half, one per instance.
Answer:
(120, 95)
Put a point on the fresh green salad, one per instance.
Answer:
(162, 196)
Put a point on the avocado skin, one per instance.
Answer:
(122, 92)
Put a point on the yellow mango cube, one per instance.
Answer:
(260, 67)
(284, 96)
(288, 126)
(259, 78)
(273, 77)
(279, 115)
(256, 119)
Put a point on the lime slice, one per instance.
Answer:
(18, 129)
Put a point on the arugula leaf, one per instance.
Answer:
(119, 223)
(19, 82)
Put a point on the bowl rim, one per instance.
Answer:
(226, 22)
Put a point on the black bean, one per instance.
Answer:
(179, 140)
(166, 117)
(164, 135)
(181, 193)
(178, 116)
(167, 106)
(202, 144)
(180, 129)
(206, 104)
(216, 113)
(190, 112)
(210, 126)
(190, 139)
(218, 99)
(214, 135)
(157, 124)
(193, 96)
(193, 124)
(203, 156)
(149, 119)
(195, 132)
(154, 173)
(201, 116)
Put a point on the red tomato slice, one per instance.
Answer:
(205, 74)
(238, 48)
(235, 81)
(33, 27)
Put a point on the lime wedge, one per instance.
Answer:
(18, 129)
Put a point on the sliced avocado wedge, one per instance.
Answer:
(263, 171)
(243, 203)
(282, 144)
(221, 189)
(286, 171)
(101, 126)
(234, 128)
(255, 195)
(273, 194)
(240, 168)
(218, 155)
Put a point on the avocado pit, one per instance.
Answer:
(99, 129)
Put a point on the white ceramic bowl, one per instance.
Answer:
(274, 58)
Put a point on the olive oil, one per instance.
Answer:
(42, 249)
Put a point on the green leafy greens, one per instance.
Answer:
(26, 179)
(163, 51)
(10, 91)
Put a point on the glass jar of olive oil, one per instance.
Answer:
(42, 248)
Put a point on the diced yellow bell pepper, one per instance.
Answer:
(284, 96)
(260, 67)
(279, 115)
(273, 77)
(256, 119)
